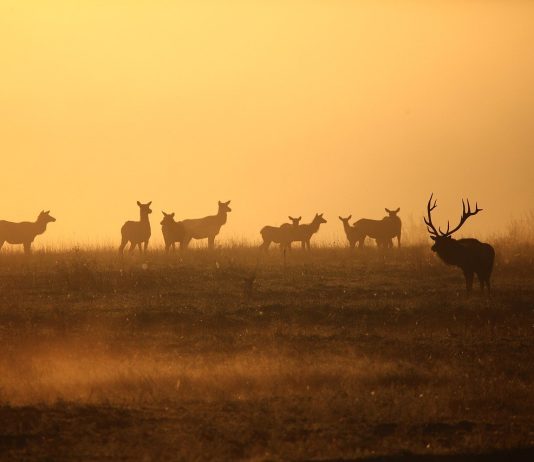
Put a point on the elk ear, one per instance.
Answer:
(172, 214)
(350, 216)
(340, 218)
(398, 210)
(149, 203)
(228, 202)
(387, 210)
(220, 203)
(299, 218)
(139, 203)
(48, 212)
(164, 214)
(290, 217)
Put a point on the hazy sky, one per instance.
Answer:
(285, 107)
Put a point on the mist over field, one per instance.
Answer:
(262, 320)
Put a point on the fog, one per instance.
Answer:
(286, 108)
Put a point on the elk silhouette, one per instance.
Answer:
(304, 233)
(282, 234)
(173, 231)
(207, 227)
(24, 232)
(350, 231)
(137, 232)
(381, 230)
(471, 255)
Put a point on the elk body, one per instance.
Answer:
(137, 232)
(470, 255)
(304, 233)
(382, 230)
(283, 234)
(24, 232)
(205, 228)
(173, 231)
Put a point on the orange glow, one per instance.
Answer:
(284, 107)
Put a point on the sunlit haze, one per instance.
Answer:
(283, 107)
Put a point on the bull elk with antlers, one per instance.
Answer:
(471, 255)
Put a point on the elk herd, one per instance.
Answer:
(470, 255)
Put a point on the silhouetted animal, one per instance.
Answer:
(137, 232)
(282, 234)
(173, 231)
(381, 230)
(393, 226)
(24, 232)
(207, 227)
(304, 233)
(471, 255)
(350, 231)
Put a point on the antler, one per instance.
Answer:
(465, 215)
(428, 221)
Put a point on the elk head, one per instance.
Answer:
(295, 221)
(224, 206)
(145, 208)
(392, 213)
(45, 217)
(168, 218)
(319, 218)
(442, 239)
(345, 220)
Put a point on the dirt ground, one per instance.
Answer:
(233, 355)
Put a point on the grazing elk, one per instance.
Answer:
(350, 231)
(283, 234)
(24, 232)
(382, 231)
(173, 231)
(137, 232)
(304, 233)
(471, 255)
(207, 227)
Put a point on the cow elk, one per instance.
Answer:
(471, 255)
(283, 234)
(205, 228)
(137, 232)
(24, 232)
(350, 231)
(173, 231)
(304, 233)
(383, 231)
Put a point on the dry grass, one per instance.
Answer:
(326, 355)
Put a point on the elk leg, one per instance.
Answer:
(145, 246)
(303, 245)
(174, 246)
(211, 242)
(27, 248)
(124, 241)
(468, 280)
(1, 244)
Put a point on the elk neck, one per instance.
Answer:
(222, 216)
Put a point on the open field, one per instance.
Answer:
(329, 356)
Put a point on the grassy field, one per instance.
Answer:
(232, 355)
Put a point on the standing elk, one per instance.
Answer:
(383, 231)
(350, 231)
(471, 255)
(137, 232)
(173, 231)
(24, 232)
(207, 227)
(304, 233)
(282, 234)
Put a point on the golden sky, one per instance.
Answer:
(285, 107)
